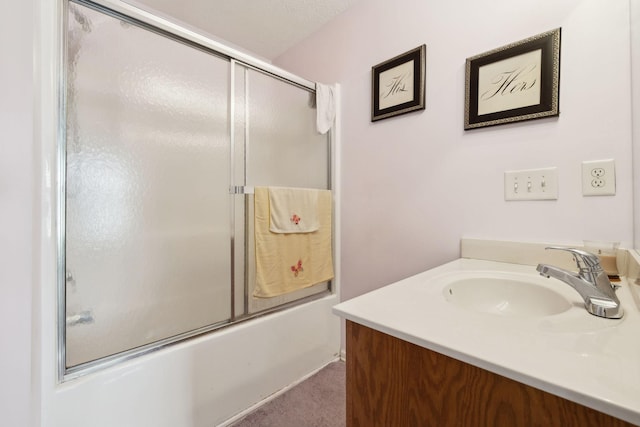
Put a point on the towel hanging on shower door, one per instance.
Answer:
(293, 210)
(286, 262)
(325, 107)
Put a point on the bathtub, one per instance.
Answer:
(202, 382)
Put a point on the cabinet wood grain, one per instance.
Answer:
(393, 383)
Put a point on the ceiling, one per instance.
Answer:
(266, 28)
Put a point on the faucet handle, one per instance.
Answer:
(586, 260)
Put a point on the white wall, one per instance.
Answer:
(635, 82)
(415, 184)
(16, 209)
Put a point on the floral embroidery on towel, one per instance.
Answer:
(297, 268)
(295, 219)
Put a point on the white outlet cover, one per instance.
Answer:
(599, 178)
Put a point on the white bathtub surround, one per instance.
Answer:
(572, 354)
(204, 381)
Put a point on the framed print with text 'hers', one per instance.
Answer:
(397, 85)
(517, 82)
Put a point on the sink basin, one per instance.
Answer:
(505, 296)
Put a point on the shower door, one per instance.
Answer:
(277, 140)
(147, 197)
(157, 241)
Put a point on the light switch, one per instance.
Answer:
(531, 184)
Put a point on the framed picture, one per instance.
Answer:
(520, 81)
(397, 85)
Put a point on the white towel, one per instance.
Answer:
(293, 210)
(325, 107)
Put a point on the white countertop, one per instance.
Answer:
(573, 354)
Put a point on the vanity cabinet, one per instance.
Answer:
(394, 383)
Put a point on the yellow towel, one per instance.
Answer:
(288, 262)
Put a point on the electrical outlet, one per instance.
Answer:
(599, 178)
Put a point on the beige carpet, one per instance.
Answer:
(319, 401)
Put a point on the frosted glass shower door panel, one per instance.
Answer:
(147, 203)
(283, 147)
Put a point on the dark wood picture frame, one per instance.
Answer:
(520, 81)
(398, 84)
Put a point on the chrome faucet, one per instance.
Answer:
(591, 282)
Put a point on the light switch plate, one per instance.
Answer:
(531, 184)
(599, 178)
